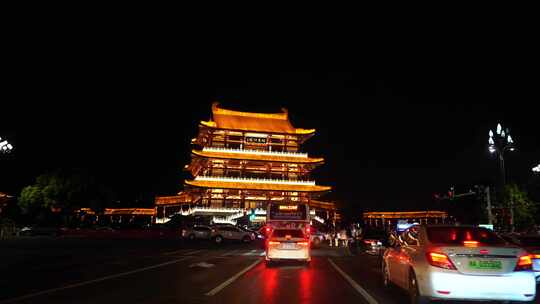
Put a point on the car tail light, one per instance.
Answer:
(267, 229)
(273, 243)
(308, 230)
(524, 263)
(440, 260)
(535, 256)
(302, 243)
(484, 251)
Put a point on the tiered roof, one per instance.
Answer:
(255, 122)
(181, 198)
(256, 184)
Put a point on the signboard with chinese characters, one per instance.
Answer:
(257, 140)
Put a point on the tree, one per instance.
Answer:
(30, 198)
(63, 191)
(524, 208)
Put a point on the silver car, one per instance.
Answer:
(458, 263)
(197, 232)
(221, 233)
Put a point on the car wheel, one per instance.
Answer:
(218, 239)
(386, 277)
(191, 237)
(246, 239)
(414, 293)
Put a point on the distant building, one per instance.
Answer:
(240, 162)
(392, 219)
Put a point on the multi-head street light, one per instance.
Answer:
(5, 146)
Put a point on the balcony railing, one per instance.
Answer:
(257, 152)
(254, 180)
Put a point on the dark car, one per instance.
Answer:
(373, 241)
(40, 231)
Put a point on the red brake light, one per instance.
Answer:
(302, 243)
(536, 256)
(267, 229)
(440, 260)
(308, 229)
(273, 243)
(524, 263)
(484, 251)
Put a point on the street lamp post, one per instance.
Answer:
(5, 146)
(500, 142)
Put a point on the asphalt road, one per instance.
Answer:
(121, 271)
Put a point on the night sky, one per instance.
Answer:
(391, 135)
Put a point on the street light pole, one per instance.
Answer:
(5, 146)
(500, 142)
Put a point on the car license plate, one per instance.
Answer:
(485, 265)
(288, 246)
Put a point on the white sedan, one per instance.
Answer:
(458, 263)
(287, 244)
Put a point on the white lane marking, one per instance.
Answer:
(252, 252)
(232, 279)
(202, 264)
(355, 285)
(230, 253)
(186, 253)
(39, 293)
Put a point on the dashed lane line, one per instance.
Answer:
(80, 284)
(355, 285)
(230, 253)
(252, 252)
(178, 251)
(231, 279)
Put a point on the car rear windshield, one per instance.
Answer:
(374, 234)
(295, 233)
(458, 235)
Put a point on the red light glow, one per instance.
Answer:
(440, 260)
(524, 263)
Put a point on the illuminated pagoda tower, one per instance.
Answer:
(242, 160)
